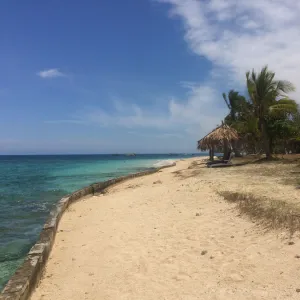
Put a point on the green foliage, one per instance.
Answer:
(268, 119)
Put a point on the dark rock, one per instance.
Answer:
(197, 214)
(203, 252)
(291, 243)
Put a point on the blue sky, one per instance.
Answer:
(132, 76)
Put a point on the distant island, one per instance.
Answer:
(130, 154)
(126, 154)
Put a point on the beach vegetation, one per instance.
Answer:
(272, 214)
(266, 119)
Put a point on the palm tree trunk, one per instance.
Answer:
(235, 148)
(271, 146)
(226, 150)
(266, 140)
(211, 154)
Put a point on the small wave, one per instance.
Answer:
(163, 163)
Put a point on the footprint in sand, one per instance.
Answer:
(182, 276)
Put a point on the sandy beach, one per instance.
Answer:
(171, 235)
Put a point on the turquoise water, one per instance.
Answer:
(31, 185)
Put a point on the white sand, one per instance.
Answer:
(145, 241)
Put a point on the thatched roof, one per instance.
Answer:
(217, 138)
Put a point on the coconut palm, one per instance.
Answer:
(235, 103)
(237, 117)
(268, 96)
(283, 124)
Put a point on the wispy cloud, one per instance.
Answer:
(240, 35)
(161, 135)
(200, 109)
(51, 73)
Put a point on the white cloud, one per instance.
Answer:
(235, 36)
(240, 35)
(163, 135)
(198, 113)
(51, 73)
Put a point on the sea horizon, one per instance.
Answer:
(113, 153)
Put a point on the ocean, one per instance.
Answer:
(31, 185)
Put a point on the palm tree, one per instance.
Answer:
(237, 106)
(235, 103)
(283, 123)
(268, 96)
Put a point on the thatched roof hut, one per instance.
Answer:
(218, 138)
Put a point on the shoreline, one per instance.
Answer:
(159, 236)
(171, 235)
(30, 191)
(23, 282)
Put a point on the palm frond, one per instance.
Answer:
(284, 86)
(283, 108)
(226, 101)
